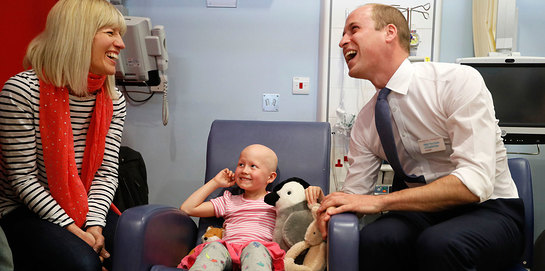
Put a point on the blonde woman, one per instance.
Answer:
(61, 123)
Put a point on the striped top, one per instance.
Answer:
(245, 220)
(23, 178)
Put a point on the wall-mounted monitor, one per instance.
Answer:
(517, 85)
(145, 55)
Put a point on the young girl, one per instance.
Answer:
(249, 221)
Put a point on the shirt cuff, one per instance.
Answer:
(479, 184)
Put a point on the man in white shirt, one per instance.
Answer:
(467, 214)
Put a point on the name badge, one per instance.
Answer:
(431, 145)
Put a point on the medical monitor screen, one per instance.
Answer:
(518, 91)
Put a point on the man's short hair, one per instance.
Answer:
(384, 15)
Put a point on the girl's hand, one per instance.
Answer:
(225, 178)
(314, 194)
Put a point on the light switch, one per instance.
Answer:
(301, 85)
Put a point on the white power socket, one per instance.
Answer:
(270, 102)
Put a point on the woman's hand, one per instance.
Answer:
(85, 236)
(93, 237)
(96, 231)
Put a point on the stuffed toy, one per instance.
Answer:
(315, 247)
(292, 213)
(211, 234)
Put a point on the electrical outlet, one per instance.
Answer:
(270, 102)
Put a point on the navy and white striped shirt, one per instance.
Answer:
(23, 178)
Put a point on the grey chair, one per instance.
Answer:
(155, 237)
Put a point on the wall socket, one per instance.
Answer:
(270, 102)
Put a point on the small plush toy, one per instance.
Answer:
(315, 259)
(211, 234)
(292, 213)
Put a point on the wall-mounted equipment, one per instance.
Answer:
(144, 61)
(517, 85)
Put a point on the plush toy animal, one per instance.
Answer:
(315, 259)
(292, 213)
(211, 234)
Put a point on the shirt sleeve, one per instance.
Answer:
(102, 190)
(364, 164)
(19, 99)
(220, 203)
(472, 127)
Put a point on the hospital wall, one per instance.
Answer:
(223, 59)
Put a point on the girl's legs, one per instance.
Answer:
(255, 256)
(214, 256)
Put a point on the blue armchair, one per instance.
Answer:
(520, 171)
(155, 237)
(522, 175)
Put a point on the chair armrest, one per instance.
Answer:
(343, 243)
(150, 235)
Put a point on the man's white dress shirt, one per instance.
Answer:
(437, 102)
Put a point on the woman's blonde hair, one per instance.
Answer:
(61, 54)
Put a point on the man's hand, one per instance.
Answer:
(438, 195)
(322, 218)
(339, 202)
(343, 202)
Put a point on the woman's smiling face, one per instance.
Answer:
(107, 44)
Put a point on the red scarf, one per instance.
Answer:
(66, 186)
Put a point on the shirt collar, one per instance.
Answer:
(402, 78)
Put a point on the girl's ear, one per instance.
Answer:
(272, 177)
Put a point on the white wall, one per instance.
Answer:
(221, 62)
(457, 35)
(456, 30)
